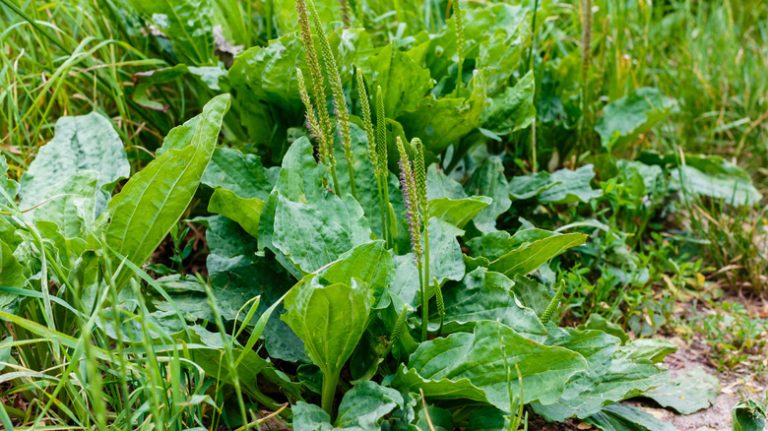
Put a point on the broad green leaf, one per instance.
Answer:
(434, 418)
(440, 185)
(330, 320)
(707, 175)
(237, 274)
(503, 35)
(650, 176)
(688, 392)
(8, 187)
(749, 416)
(530, 256)
(245, 211)
(513, 109)
(301, 178)
(74, 209)
(268, 73)
(458, 212)
(616, 372)
(494, 245)
(404, 82)
(371, 263)
(442, 122)
(82, 143)
(446, 263)
(570, 186)
(250, 369)
(533, 294)
(313, 234)
(619, 417)
(310, 417)
(365, 179)
(529, 186)
(731, 189)
(481, 366)
(243, 174)
(448, 201)
(365, 405)
(154, 199)
(488, 295)
(625, 119)
(563, 186)
(489, 180)
(11, 274)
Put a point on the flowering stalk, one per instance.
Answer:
(345, 18)
(337, 91)
(420, 177)
(313, 123)
(413, 216)
(322, 121)
(382, 169)
(365, 107)
(457, 19)
(440, 304)
(411, 200)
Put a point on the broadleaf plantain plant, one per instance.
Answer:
(319, 284)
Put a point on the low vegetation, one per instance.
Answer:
(338, 214)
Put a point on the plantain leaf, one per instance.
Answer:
(365, 404)
(245, 211)
(748, 415)
(330, 320)
(82, 143)
(446, 263)
(513, 109)
(403, 81)
(154, 199)
(316, 233)
(458, 212)
(616, 372)
(243, 174)
(11, 274)
(688, 392)
(488, 180)
(442, 122)
(625, 119)
(480, 366)
(563, 186)
(529, 256)
(618, 417)
(732, 189)
(8, 187)
(488, 295)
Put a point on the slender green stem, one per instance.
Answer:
(330, 380)
(383, 207)
(335, 179)
(388, 221)
(351, 171)
(424, 284)
(424, 302)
